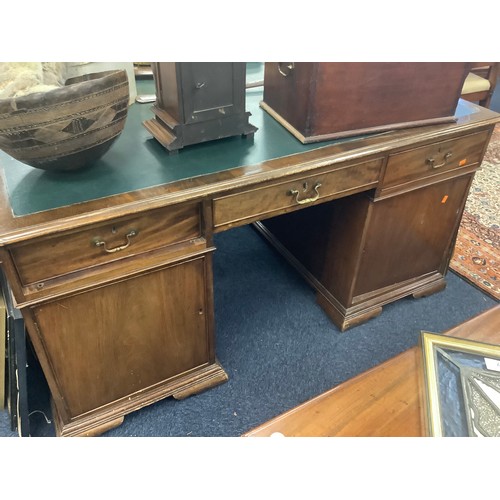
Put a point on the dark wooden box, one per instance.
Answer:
(321, 101)
(198, 102)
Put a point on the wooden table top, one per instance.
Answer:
(384, 401)
(137, 174)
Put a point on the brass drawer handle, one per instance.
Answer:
(100, 243)
(288, 66)
(295, 192)
(431, 161)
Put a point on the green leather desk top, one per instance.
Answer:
(136, 160)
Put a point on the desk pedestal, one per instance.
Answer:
(361, 252)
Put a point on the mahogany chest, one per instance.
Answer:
(323, 100)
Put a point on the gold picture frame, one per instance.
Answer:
(462, 386)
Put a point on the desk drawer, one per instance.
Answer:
(281, 197)
(105, 242)
(434, 159)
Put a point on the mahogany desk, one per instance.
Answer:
(112, 266)
(385, 401)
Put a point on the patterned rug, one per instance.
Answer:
(476, 256)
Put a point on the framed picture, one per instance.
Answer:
(462, 386)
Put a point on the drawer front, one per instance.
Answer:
(105, 242)
(273, 199)
(434, 159)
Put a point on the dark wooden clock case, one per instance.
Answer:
(198, 102)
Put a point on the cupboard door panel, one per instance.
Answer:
(113, 341)
(411, 235)
(211, 90)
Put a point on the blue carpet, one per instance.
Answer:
(5, 430)
(278, 346)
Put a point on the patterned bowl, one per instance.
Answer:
(69, 127)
